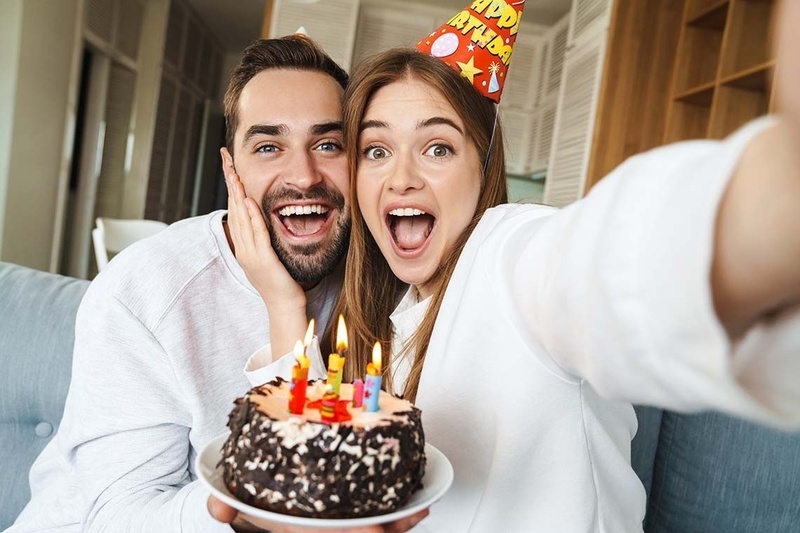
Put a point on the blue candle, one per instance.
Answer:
(372, 387)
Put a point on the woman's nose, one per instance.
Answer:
(405, 175)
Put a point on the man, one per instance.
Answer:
(162, 335)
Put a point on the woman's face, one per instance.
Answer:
(418, 178)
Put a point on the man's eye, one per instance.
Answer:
(330, 147)
(375, 152)
(439, 150)
(267, 148)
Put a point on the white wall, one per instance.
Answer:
(10, 32)
(37, 151)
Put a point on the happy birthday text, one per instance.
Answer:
(482, 35)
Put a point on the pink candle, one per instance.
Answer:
(358, 393)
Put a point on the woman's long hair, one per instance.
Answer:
(371, 290)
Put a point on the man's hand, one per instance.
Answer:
(224, 513)
(283, 296)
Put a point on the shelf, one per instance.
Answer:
(735, 107)
(712, 16)
(757, 78)
(750, 30)
(700, 96)
(697, 9)
(687, 121)
(698, 58)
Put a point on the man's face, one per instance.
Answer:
(289, 156)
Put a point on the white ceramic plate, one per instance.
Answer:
(438, 478)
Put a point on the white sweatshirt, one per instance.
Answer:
(555, 322)
(160, 340)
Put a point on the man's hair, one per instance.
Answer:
(294, 52)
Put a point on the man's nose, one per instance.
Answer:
(405, 175)
(302, 172)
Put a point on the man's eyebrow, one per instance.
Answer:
(439, 120)
(326, 127)
(265, 129)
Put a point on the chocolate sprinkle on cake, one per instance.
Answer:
(302, 466)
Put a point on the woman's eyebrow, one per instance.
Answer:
(434, 121)
(373, 124)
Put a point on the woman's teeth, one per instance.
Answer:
(406, 212)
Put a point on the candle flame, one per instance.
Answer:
(376, 356)
(341, 335)
(299, 350)
(309, 333)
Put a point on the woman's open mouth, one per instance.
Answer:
(410, 229)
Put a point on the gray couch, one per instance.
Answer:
(703, 473)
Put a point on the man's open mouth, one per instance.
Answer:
(304, 220)
(410, 227)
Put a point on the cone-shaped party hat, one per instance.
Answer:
(478, 42)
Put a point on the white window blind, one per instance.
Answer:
(331, 23)
(381, 27)
(575, 124)
(588, 18)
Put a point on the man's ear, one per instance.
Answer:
(227, 162)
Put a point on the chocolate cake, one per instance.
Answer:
(361, 464)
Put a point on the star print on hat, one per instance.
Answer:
(478, 42)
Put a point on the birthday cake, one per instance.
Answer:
(332, 461)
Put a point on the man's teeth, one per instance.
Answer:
(406, 212)
(302, 210)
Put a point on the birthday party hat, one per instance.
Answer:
(478, 42)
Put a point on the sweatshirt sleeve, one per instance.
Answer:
(616, 288)
(260, 368)
(120, 460)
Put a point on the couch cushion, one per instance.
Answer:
(36, 336)
(716, 473)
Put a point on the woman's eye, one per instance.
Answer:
(375, 152)
(439, 150)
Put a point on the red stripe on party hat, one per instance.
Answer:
(478, 42)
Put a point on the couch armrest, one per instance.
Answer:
(36, 340)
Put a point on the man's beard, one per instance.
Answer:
(308, 264)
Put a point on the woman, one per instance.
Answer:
(526, 333)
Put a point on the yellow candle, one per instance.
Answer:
(336, 360)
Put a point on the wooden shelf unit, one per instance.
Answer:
(723, 69)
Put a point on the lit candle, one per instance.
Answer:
(358, 393)
(336, 360)
(327, 410)
(309, 334)
(297, 389)
(373, 384)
